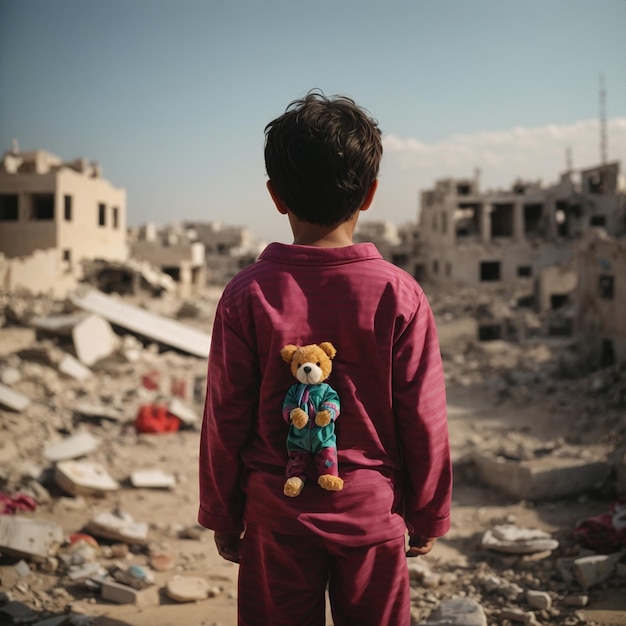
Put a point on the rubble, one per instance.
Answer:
(23, 537)
(148, 520)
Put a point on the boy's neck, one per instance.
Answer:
(336, 236)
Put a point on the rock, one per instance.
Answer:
(12, 399)
(595, 569)
(512, 539)
(9, 376)
(576, 599)
(134, 576)
(73, 368)
(517, 615)
(540, 600)
(187, 589)
(457, 612)
(162, 561)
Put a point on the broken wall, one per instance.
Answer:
(40, 273)
(601, 322)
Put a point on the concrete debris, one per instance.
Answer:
(187, 589)
(152, 479)
(123, 594)
(83, 478)
(23, 537)
(533, 416)
(593, 570)
(144, 323)
(511, 539)
(118, 526)
(77, 445)
(457, 612)
(12, 399)
(94, 339)
(74, 368)
(182, 412)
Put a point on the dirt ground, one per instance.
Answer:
(478, 414)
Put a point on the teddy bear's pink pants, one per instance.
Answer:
(299, 463)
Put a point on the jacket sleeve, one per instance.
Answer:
(230, 408)
(420, 409)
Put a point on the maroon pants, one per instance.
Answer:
(283, 580)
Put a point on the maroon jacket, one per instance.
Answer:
(392, 434)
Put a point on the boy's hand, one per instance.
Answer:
(419, 546)
(228, 545)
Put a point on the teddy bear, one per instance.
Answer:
(311, 407)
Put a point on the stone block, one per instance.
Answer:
(23, 537)
(123, 594)
(546, 478)
(94, 339)
(595, 569)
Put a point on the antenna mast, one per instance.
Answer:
(603, 139)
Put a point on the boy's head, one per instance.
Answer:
(322, 156)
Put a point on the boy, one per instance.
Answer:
(322, 158)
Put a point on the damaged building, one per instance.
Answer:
(400, 245)
(175, 252)
(600, 322)
(503, 236)
(228, 249)
(53, 215)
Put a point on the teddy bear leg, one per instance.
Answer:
(293, 486)
(328, 470)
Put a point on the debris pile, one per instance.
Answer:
(99, 430)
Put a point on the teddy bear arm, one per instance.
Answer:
(298, 417)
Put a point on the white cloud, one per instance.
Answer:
(539, 153)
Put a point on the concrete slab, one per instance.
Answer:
(183, 412)
(99, 410)
(58, 324)
(83, 478)
(118, 526)
(546, 478)
(12, 399)
(23, 537)
(156, 327)
(72, 447)
(94, 339)
(152, 479)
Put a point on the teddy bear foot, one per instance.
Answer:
(330, 483)
(293, 486)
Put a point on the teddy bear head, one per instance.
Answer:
(309, 364)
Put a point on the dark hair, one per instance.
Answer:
(322, 155)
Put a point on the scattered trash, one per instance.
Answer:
(18, 502)
(81, 478)
(153, 418)
(118, 526)
(79, 444)
(152, 479)
(187, 589)
(512, 539)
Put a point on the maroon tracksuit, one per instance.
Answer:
(392, 438)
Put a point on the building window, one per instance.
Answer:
(558, 300)
(8, 207)
(524, 271)
(67, 208)
(435, 266)
(102, 215)
(605, 285)
(116, 218)
(489, 271)
(42, 206)
(448, 269)
(444, 223)
(597, 220)
(67, 255)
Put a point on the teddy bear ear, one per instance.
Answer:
(287, 352)
(328, 347)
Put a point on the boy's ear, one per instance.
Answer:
(280, 205)
(369, 196)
